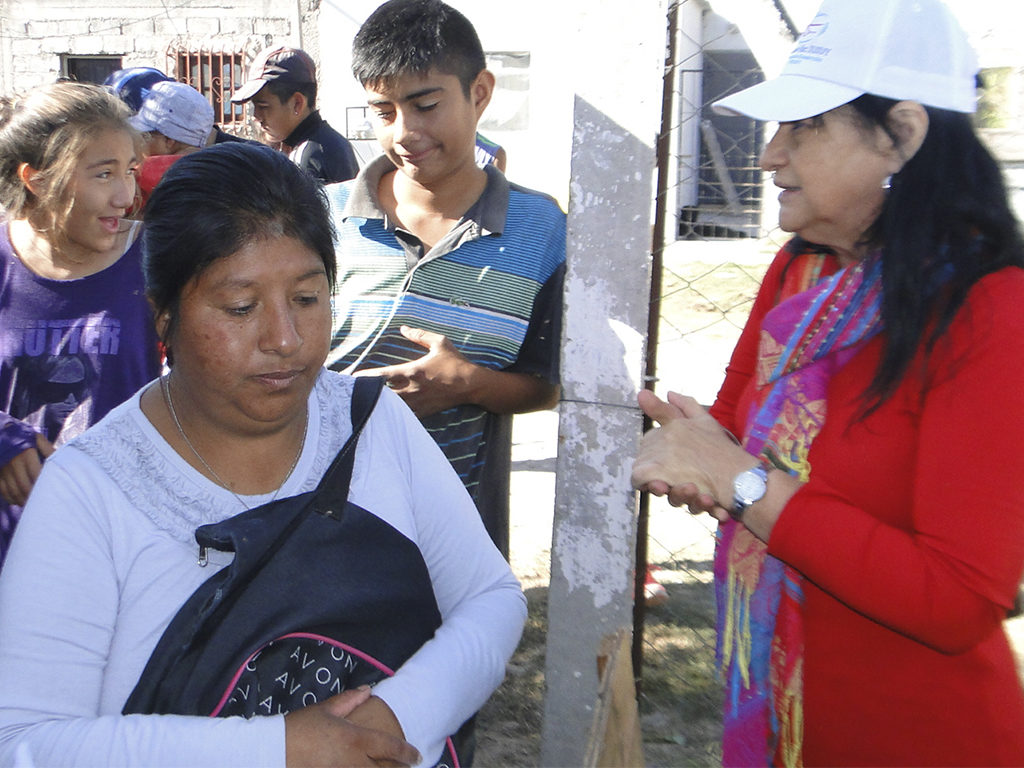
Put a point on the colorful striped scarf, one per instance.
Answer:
(812, 332)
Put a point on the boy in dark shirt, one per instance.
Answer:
(282, 89)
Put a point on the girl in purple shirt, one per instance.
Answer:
(76, 333)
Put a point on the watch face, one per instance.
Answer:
(749, 486)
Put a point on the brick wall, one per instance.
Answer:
(141, 32)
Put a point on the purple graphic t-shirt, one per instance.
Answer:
(70, 350)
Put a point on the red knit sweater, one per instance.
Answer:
(910, 536)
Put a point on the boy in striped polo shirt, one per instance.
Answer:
(449, 277)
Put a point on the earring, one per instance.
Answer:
(887, 182)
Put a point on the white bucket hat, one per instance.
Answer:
(899, 49)
(178, 111)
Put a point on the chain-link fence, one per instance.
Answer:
(703, 308)
(711, 250)
(715, 235)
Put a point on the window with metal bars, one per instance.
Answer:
(88, 69)
(216, 76)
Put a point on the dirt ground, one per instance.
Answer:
(704, 307)
(680, 704)
(508, 728)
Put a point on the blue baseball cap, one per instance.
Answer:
(132, 85)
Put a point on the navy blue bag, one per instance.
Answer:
(322, 596)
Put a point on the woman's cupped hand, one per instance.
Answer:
(689, 457)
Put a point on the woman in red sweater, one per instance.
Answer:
(872, 534)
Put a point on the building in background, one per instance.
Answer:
(717, 192)
(210, 44)
(206, 43)
(721, 46)
(995, 28)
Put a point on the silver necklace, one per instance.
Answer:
(165, 387)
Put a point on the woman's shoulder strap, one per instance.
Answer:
(365, 393)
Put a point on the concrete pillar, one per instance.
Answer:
(616, 74)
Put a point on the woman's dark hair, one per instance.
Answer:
(212, 203)
(412, 37)
(946, 223)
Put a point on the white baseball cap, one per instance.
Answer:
(899, 49)
(178, 111)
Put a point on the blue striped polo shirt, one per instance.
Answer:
(492, 286)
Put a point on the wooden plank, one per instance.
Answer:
(615, 739)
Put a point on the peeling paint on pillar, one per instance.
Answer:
(587, 542)
(616, 115)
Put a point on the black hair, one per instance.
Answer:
(284, 90)
(946, 222)
(211, 203)
(415, 36)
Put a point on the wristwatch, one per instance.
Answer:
(747, 488)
